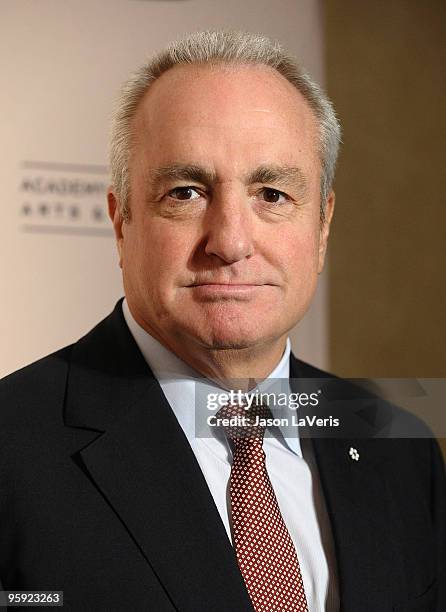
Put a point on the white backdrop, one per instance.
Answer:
(61, 66)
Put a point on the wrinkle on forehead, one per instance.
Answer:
(262, 110)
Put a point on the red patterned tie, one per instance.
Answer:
(265, 552)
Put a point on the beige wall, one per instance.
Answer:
(387, 295)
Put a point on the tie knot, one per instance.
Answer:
(242, 422)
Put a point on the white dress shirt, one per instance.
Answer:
(290, 463)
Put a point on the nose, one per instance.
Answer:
(229, 227)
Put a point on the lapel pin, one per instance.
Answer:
(353, 453)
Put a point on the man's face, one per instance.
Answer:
(224, 243)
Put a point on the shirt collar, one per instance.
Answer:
(185, 388)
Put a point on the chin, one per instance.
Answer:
(235, 335)
(231, 325)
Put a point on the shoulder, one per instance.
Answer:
(302, 369)
(389, 431)
(39, 388)
(24, 394)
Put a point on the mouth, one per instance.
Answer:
(227, 285)
(228, 290)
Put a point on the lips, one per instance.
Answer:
(227, 284)
(240, 292)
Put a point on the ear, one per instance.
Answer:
(325, 229)
(117, 220)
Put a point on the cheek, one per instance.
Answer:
(299, 254)
(162, 251)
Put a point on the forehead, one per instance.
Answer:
(230, 112)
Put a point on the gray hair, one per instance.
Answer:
(230, 48)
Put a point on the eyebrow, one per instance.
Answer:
(273, 174)
(279, 175)
(183, 172)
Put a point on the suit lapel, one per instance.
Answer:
(142, 464)
(357, 507)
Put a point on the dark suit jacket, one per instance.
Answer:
(101, 496)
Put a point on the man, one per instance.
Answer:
(222, 161)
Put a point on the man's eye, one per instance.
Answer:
(273, 196)
(184, 193)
